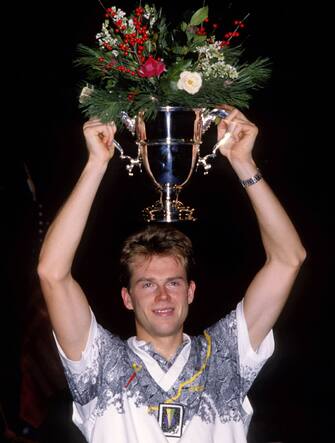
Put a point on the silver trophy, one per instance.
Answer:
(169, 150)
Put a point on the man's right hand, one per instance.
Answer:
(99, 140)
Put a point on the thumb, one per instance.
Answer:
(222, 128)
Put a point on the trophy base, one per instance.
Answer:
(175, 211)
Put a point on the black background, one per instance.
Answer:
(291, 396)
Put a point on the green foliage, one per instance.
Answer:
(136, 67)
(199, 16)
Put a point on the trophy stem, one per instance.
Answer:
(168, 208)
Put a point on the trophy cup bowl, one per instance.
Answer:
(169, 149)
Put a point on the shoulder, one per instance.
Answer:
(225, 328)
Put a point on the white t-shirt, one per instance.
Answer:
(122, 395)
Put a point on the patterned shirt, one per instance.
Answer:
(122, 395)
(163, 363)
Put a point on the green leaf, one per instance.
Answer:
(177, 68)
(199, 38)
(199, 16)
(183, 26)
(181, 50)
(148, 46)
(164, 84)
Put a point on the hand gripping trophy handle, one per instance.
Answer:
(207, 119)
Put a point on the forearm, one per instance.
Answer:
(268, 291)
(280, 239)
(64, 234)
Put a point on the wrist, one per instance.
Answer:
(98, 160)
(244, 169)
(96, 164)
(252, 180)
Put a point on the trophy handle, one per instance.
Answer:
(207, 119)
(132, 161)
(130, 125)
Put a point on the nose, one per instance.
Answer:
(162, 293)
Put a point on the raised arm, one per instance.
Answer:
(270, 288)
(67, 305)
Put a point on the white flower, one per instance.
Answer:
(85, 93)
(190, 82)
(150, 14)
(219, 70)
(105, 36)
(119, 14)
(131, 27)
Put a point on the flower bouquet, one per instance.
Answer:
(166, 86)
(140, 63)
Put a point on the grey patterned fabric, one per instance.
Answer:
(209, 386)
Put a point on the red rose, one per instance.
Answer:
(151, 68)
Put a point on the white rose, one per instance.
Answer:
(190, 82)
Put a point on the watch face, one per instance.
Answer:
(170, 419)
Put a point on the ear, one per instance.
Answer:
(126, 299)
(190, 292)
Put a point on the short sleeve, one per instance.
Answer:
(85, 377)
(251, 361)
(76, 367)
(233, 358)
(93, 374)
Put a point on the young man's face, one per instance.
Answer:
(159, 294)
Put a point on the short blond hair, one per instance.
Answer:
(156, 240)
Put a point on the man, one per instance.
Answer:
(163, 385)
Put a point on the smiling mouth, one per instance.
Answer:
(164, 312)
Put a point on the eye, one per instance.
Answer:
(174, 283)
(147, 284)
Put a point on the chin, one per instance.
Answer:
(166, 332)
